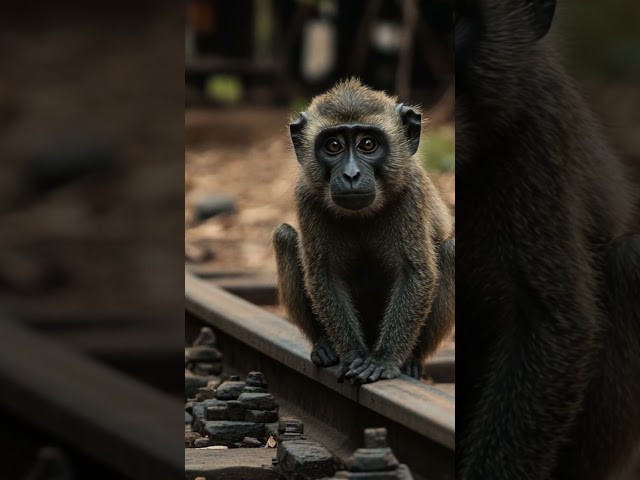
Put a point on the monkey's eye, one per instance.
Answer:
(368, 144)
(333, 146)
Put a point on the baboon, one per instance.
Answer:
(370, 278)
(547, 269)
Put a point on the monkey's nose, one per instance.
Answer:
(352, 176)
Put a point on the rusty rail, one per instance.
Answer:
(420, 419)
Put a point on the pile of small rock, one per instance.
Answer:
(203, 365)
(240, 414)
(374, 462)
(299, 458)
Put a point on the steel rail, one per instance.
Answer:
(420, 418)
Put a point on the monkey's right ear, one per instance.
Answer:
(543, 13)
(295, 128)
(412, 123)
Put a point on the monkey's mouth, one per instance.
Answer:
(354, 201)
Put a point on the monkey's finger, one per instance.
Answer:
(375, 376)
(330, 357)
(356, 371)
(390, 373)
(359, 370)
(412, 369)
(315, 358)
(333, 357)
(364, 375)
(322, 353)
(359, 367)
(341, 372)
(356, 363)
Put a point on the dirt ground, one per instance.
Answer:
(258, 169)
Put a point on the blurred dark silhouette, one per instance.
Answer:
(91, 214)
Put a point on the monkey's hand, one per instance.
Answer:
(369, 370)
(354, 358)
(413, 368)
(323, 353)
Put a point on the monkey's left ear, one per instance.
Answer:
(295, 128)
(412, 122)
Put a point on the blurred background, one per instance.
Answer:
(89, 149)
(250, 64)
(92, 105)
(600, 43)
(91, 222)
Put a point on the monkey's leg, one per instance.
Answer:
(611, 408)
(294, 298)
(442, 316)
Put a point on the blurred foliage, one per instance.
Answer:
(298, 104)
(601, 39)
(224, 88)
(316, 3)
(437, 149)
(264, 23)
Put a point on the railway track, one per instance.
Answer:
(419, 418)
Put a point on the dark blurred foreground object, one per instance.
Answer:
(548, 330)
(30, 273)
(106, 416)
(438, 14)
(61, 160)
(51, 464)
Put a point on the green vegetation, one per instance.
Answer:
(438, 149)
(224, 88)
(600, 39)
(298, 104)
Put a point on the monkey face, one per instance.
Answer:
(355, 146)
(350, 155)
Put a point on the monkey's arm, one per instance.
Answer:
(333, 305)
(409, 305)
(293, 296)
(538, 373)
(441, 319)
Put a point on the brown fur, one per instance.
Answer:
(373, 284)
